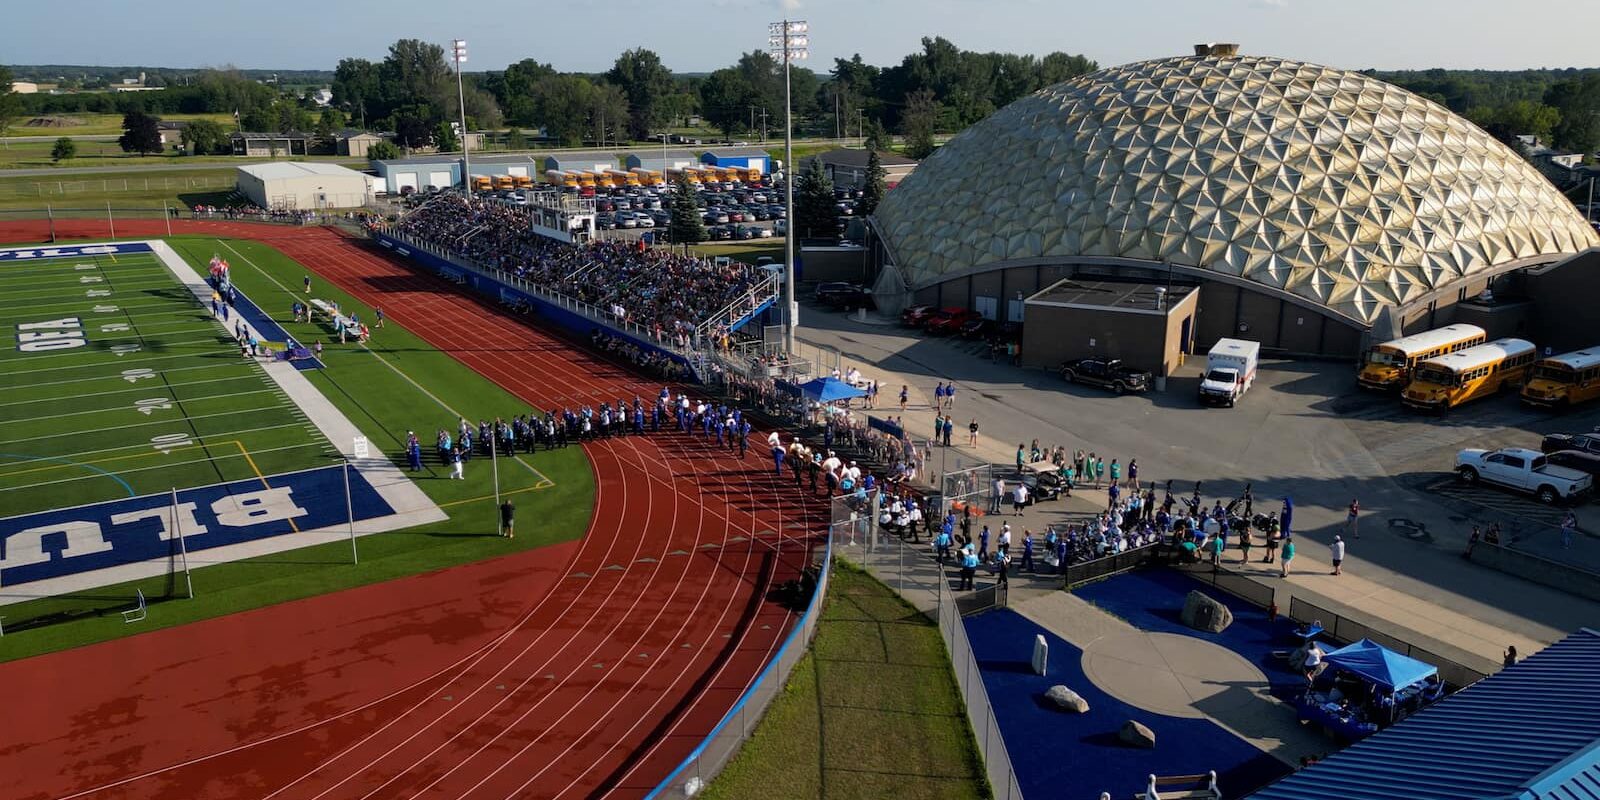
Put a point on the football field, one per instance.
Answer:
(115, 381)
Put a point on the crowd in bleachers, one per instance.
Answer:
(667, 292)
(255, 213)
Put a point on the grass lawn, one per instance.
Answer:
(395, 384)
(747, 251)
(871, 711)
(99, 124)
(79, 194)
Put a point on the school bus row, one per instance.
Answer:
(639, 176)
(1443, 368)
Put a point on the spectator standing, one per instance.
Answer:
(950, 395)
(1350, 518)
(508, 515)
(1133, 473)
(969, 568)
(1002, 566)
(1336, 551)
(972, 433)
(1569, 523)
(905, 395)
(1510, 656)
(1019, 498)
(949, 429)
(998, 496)
(1244, 544)
(308, 284)
(1027, 550)
(1288, 556)
(1272, 548)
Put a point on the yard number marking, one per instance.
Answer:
(136, 375)
(124, 349)
(150, 405)
(167, 442)
(104, 309)
(115, 327)
(97, 293)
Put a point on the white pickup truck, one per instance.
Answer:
(1523, 470)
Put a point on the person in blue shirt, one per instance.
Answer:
(969, 569)
(1027, 551)
(983, 543)
(1061, 555)
(947, 529)
(942, 543)
(777, 460)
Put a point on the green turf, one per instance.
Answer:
(395, 384)
(871, 712)
(158, 395)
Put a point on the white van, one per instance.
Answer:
(1230, 371)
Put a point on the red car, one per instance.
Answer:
(914, 316)
(949, 320)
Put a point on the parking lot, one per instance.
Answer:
(1304, 431)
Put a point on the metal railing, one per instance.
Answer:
(703, 764)
(762, 293)
(1087, 571)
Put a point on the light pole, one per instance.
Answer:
(459, 48)
(788, 39)
(663, 160)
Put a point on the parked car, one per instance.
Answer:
(1587, 442)
(976, 328)
(914, 316)
(948, 320)
(1109, 373)
(1522, 470)
(625, 220)
(743, 232)
(1587, 463)
(605, 222)
(781, 227)
(763, 233)
(846, 296)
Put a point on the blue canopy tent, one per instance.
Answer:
(1380, 665)
(828, 390)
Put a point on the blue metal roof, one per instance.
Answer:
(1529, 732)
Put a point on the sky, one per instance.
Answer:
(702, 35)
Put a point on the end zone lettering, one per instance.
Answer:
(52, 544)
(56, 334)
(25, 254)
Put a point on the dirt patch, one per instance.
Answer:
(53, 122)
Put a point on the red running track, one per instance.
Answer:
(586, 670)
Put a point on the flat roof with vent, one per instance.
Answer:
(1110, 295)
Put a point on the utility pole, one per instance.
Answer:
(861, 126)
(763, 124)
(836, 112)
(788, 38)
(459, 48)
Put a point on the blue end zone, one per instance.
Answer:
(52, 544)
(72, 251)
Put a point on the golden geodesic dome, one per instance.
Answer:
(1324, 183)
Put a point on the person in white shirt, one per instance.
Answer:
(999, 495)
(1019, 498)
(831, 463)
(774, 440)
(1004, 543)
(1337, 551)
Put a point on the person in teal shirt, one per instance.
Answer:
(969, 569)
(1216, 545)
(1288, 555)
(1021, 458)
(1099, 471)
(1116, 471)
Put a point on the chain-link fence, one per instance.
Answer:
(972, 486)
(47, 189)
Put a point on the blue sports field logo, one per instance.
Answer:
(71, 251)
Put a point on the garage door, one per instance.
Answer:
(521, 172)
(404, 179)
(440, 179)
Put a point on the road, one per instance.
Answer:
(1303, 432)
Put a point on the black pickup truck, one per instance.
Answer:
(1109, 373)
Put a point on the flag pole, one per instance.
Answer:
(183, 546)
(350, 514)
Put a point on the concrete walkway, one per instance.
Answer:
(1284, 439)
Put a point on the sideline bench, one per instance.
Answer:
(137, 613)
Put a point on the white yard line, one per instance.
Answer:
(230, 413)
(34, 384)
(206, 459)
(30, 420)
(141, 389)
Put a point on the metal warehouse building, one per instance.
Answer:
(303, 185)
(659, 161)
(746, 157)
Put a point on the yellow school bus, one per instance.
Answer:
(647, 177)
(1452, 379)
(1564, 380)
(482, 183)
(752, 174)
(523, 181)
(1389, 365)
